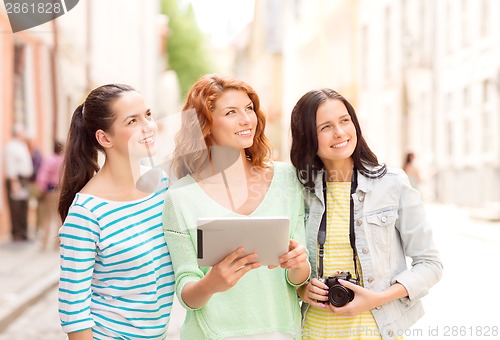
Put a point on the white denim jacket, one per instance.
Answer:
(390, 225)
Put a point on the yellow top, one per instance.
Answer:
(321, 323)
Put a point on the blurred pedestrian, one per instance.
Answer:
(412, 170)
(364, 221)
(18, 169)
(116, 275)
(35, 192)
(48, 183)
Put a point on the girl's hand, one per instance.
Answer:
(364, 300)
(229, 271)
(315, 293)
(295, 258)
(296, 262)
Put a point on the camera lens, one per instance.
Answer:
(339, 296)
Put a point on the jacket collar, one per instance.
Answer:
(365, 184)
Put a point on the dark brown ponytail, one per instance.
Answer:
(80, 158)
(80, 162)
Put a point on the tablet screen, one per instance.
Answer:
(266, 236)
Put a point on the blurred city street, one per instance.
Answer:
(423, 78)
(461, 306)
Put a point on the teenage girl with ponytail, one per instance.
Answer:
(116, 274)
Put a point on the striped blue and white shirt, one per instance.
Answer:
(116, 272)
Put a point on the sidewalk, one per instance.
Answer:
(26, 275)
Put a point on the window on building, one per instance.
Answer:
(426, 122)
(423, 27)
(449, 26)
(387, 42)
(450, 138)
(449, 133)
(365, 56)
(273, 25)
(19, 83)
(486, 117)
(297, 8)
(468, 128)
(465, 29)
(484, 10)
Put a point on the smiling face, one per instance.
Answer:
(133, 130)
(234, 120)
(336, 133)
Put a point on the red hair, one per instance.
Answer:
(189, 155)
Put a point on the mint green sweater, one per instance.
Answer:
(263, 301)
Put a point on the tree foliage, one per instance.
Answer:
(186, 45)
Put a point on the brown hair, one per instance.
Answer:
(80, 159)
(190, 156)
(304, 150)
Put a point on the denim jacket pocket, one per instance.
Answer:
(381, 225)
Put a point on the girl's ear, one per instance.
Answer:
(103, 139)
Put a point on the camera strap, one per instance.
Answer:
(322, 226)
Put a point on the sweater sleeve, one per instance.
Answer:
(181, 241)
(297, 213)
(79, 236)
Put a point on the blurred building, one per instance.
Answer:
(292, 47)
(48, 70)
(319, 50)
(27, 90)
(113, 41)
(430, 75)
(423, 76)
(467, 101)
(257, 59)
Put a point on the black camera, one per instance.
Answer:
(339, 295)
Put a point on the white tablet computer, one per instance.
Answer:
(218, 237)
